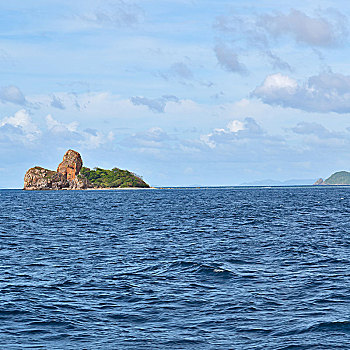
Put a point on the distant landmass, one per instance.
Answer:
(71, 175)
(269, 182)
(338, 178)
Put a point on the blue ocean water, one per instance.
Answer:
(234, 268)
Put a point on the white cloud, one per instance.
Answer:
(88, 138)
(21, 126)
(279, 81)
(276, 87)
(235, 130)
(326, 92)
(96, 139)
(235, 126)
(57, 127)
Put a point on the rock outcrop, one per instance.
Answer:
(71, 165)
(66, 177)
(38, 178)
(319, 182)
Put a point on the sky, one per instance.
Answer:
(181, 92)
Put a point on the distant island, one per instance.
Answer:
(270, 182)
(71, 175)
(338, 178)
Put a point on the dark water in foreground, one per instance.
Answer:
(175, 269)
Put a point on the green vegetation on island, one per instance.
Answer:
(338, 178)
(112, 178)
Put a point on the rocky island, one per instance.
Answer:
(338, 178)
(71, 175)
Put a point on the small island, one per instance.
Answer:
(338, 178)
(71, 175)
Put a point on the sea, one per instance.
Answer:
(185, 268)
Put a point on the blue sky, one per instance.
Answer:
(182, 92)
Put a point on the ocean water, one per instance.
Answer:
(235, 268)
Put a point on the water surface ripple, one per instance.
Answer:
(263, 268)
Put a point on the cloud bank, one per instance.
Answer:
(266, 34)
(325, 92)
(314, 31)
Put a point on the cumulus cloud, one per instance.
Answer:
(20, 127)
(314, 31)
(12, 94)
(235, 130)
(235, 126)
(276, 87)
(326, 92)
(156, 105)
(228, 59)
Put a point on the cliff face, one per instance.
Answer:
(71, 165)
(38, 178)
(65, 177)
